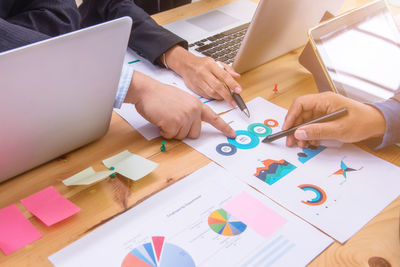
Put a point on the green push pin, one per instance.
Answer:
(163, 148)
(112, 175)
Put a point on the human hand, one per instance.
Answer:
(176, 113)
(203, 75)
(361, 122)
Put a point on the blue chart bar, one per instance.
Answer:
(283, 252)
(205, 100)
(271, 252)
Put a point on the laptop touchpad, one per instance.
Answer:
(213, 20)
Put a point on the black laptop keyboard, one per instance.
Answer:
(223, 46)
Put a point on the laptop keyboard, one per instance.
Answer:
(223, 46)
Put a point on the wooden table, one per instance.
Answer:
(103, 201)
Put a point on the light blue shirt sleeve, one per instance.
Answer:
(390, 109)
(123, 85)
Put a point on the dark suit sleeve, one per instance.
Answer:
(155, 6)
(13, 36)
(50, 17)
(148, 38)
(26, 22)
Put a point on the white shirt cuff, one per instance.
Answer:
(123, 85)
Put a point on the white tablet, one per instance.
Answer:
(360, 52)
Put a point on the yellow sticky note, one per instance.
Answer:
(130, 165)
(86, 177)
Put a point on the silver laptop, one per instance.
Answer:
(58, 94)
(247, 35)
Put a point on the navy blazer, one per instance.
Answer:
(155, 6)
(27, 21)
(147, 38)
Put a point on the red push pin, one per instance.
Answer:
(275, 90)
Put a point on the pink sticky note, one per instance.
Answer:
(254, 214)
(16, 231)
(49, 206)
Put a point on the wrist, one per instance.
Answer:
(176, 59)
(139, 84)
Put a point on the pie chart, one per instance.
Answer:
(158, 253)
(223, 223)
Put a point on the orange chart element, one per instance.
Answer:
(271, 122)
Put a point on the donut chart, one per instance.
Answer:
(226, 149)
(320, 195)
(247, 139)
(158, 253)
(244, 140)
(224, 224)
(271, 122)
(259, 129)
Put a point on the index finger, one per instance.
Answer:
(230, 70)
(225, 77)
(208, 115)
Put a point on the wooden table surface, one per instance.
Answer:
(376, 242)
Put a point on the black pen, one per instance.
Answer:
(238, 99)
(331, 116)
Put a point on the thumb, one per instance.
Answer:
(317, 131)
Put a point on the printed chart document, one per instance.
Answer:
(128, 111)
(336, 189)
(202, 220)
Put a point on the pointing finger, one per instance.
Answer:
(212, 118)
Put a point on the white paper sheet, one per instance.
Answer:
(174, 228)
(310, 183)
(128, 111)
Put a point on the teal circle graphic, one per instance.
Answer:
(244, 140)
(226, 149)
(259, 129)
